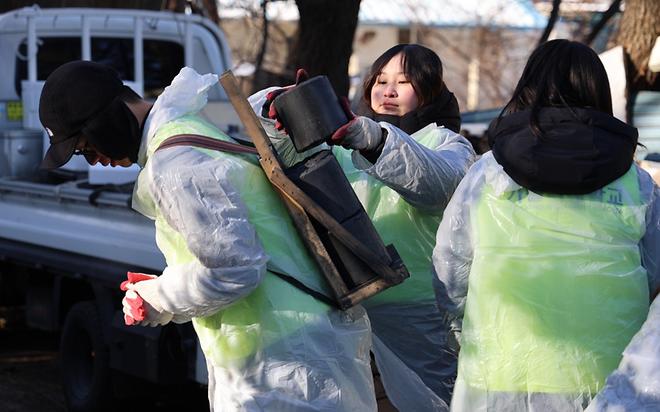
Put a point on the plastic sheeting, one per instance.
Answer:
(635, 385)
(553, 299)
(404, 194)
(268, 345)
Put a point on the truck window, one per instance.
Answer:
(162, 59)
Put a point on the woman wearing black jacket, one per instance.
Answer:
(547, 255)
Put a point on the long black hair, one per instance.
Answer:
(561, 73)
(421, 65)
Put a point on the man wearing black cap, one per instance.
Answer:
(224, 233)
(87, 110)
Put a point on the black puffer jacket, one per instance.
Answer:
(579, 150)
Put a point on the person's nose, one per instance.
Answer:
(390, 91)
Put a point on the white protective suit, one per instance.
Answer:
(268, 345)
(460, 247)
(635, 385)
(404, 194)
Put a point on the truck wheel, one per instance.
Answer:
(85, 360)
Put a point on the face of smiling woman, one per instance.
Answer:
(392, 93)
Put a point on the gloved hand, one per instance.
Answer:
(282, 144)
(135, 277)
(360, 133)
(301, 76)
(142, 304)
(135, 303)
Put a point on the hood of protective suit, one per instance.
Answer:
(579, 150)
(187, 94)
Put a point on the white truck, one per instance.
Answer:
(68, 237)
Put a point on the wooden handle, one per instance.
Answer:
(273, 169)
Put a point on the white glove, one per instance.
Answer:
(154, 314)
(360, 133)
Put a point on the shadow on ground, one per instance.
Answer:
(30, 375)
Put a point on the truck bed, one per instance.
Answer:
(92, 220)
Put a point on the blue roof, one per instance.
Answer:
(517, 14)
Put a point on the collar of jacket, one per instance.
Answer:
(443, 111)
(580, 150)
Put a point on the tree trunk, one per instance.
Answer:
(640, 26)
(264, 37)
(325, 39)
(210, 9)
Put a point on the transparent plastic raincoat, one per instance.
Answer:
(221, 227)
(543, 301)
(404, 194)
(635, 385)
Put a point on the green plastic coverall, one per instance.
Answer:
(404, 194)
(546, 301)
(635, 384)
(221, 227)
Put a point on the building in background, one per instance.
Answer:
(483, 44)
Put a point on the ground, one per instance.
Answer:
(30, 367)
(30, 381)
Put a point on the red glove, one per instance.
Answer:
(135, 302)
(301, 76)
(134, 277)
(360, 133)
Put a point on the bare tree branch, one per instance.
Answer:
(551, 21)
(614, 8)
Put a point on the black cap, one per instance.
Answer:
(74, 93)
